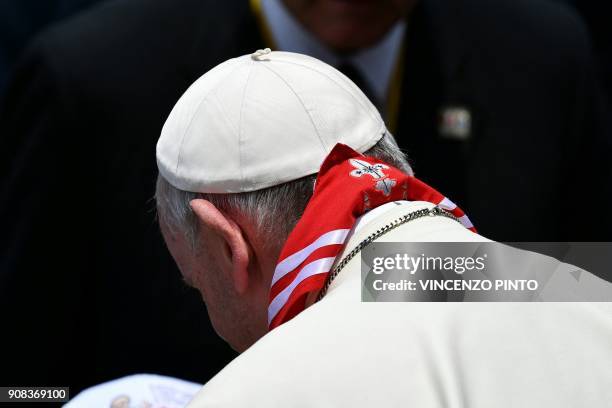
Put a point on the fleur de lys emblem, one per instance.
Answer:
(362, 167)
(383, 183)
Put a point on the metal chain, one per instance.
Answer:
(432, 212)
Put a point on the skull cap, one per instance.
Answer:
(261, 120)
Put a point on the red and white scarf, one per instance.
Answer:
(348, 185)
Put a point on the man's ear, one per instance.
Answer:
(236, 257)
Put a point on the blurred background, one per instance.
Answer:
(504, 106)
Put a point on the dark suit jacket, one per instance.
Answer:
(20, 20)
(87, 288)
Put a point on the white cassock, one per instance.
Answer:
(341, 352)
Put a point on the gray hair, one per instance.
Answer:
(273, 211)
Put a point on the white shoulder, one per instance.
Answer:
(270, 373)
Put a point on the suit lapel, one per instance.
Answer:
(433, 79)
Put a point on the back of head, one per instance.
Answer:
(261, 120)
(251, 133)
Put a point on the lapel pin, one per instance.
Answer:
(455, 122)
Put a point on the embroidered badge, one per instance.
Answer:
(383, 183)
(362, 167)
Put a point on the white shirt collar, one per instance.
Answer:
(375, 213)
(376, 63)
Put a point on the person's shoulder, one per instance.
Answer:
(121, 36)
(340, 345)
(540, 26)
(286, 364)
(270, 373)
(113, 25)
